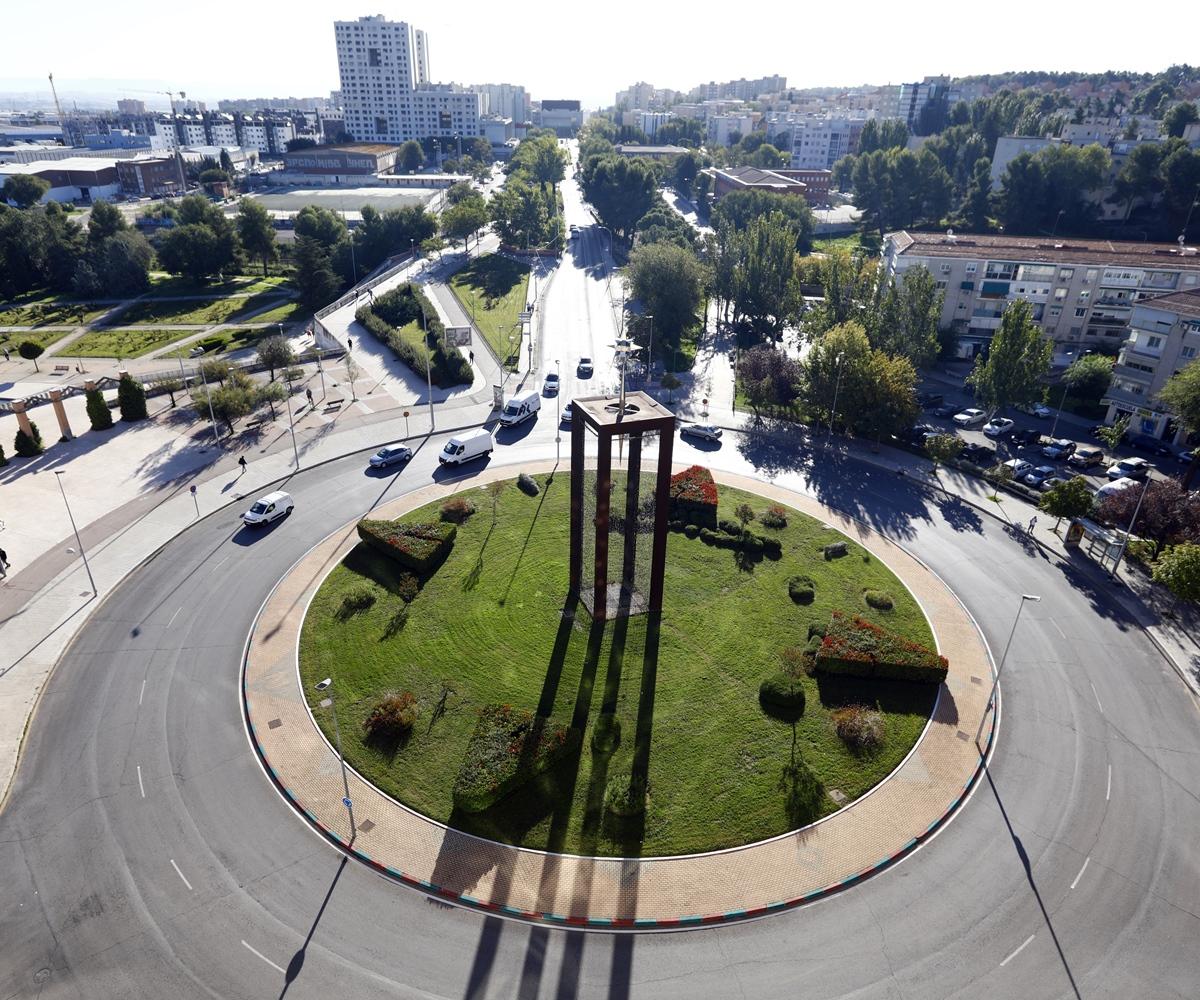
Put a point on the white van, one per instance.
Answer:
(464, 447)
(520, 408)
(267, 509)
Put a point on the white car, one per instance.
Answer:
(1129, 468)
(706, 432)
(1019, 467)
(969, 418)
(998, 427)
(1039, 410)
(1116, 486)
(266, 509)
(387, 456)
(550, 386)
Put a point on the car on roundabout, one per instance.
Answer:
(390, 455)
(705, 432)
(268, 508)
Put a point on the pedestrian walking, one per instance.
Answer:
(308, 393)
(3, 564)
(1032, 524)
(471, 355)
(6, 356)
(349, 344)
(242, 463)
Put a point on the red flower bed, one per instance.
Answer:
(419, 546)
(861, 649)
(694, 496)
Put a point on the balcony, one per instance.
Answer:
(1134, 374)
(1125, 398)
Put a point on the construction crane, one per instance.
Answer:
(57, 106)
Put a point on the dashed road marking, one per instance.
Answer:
(254, 951)
(141, 787)
(1059, 630)
(1015, 953)
(1081, 871)
(142, 692)
(180, 608)
(1097, 697)
(181, 875)
(1108, 787)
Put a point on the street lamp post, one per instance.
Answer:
(650, 348)
(837, 387)
(78, 541)
(428, 368)
(326, 685)
(1004, 656)
(558, 414)
(208, 399)
(1129, 531)
(292, 425)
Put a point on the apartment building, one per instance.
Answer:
(1164, 337)
(386, 94)
(722, 130)
(912, 98)
(818, 142)
(1083, 292)
(504, 100)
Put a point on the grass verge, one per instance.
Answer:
(123, 343)
(493, 290)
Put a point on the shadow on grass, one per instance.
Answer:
(892, 697)
(803, 794)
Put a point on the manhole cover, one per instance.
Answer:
(41, 976)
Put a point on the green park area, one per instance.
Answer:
(106, 343)
(203, 311)
(480, 640)
(44, 338)
(494, 290)
(47, 310)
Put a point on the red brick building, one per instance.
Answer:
(812, 185)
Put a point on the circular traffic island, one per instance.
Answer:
(468, 688)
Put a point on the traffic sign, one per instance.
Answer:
(525, 317)
(347, 803)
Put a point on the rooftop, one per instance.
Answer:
(90, 164)
(633, 150)
(1041, 249)
(1185, 303)
(352, 147)
(756, 177)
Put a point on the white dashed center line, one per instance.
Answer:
(1018, 951)
(181, 875)
(141, 787)
(1081, 871)
(1097, 697)
(255, 951)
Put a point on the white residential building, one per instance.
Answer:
(722, 129)
(504, 100)
(818, 142)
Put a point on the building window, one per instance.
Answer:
(1066, 273)
(1090, 276)
(1154, 343)
(1080, 312)
(1188, 352)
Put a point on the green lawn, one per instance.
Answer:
(866, 242)
(489, 621)
(198, 311)
(493, 290)
(47, 312)
(163, 284)
(43, 337)
(232, 338)
(289, 312)
(122, 343)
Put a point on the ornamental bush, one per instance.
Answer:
(774, 517)
(131, 398)
(793, 661)
(457, 509)
(860, 649)
(99, 415)
(527, 484)
(691, 530)
(880, 600)
(420, 547)
(782, 691)
(357, 600)
(3, 457)
(29, 445)
(802, 589)
(392, 716)
(508, 747)
(606, 734)
(694, 496)
(625, 794)
(835, 550)
(859, 727)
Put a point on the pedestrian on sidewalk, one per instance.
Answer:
(6, 355)
(349, 344)
(1032, 524)
(308, 393)
(471, 355)
(3, 564)
(242, 463)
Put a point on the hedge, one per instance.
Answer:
(694, 496)
(508, 747)
(404, 305)
(802, 589)
(859, 648)
(421, 547)
(783, 691)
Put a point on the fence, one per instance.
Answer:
(388, 269)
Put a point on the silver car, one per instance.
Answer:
(706, 432)
(390, 455)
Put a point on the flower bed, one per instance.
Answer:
(694, 496)
(858, 648)
(508, 747)
(420, 546)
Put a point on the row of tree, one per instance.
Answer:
(527, 211)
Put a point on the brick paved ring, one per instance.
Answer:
(867, 836)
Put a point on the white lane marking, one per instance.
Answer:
(1097, 697)
(180, 608)
(254, 951)
(218, 566)
(142, 692)
(1013, 955)
(1081, 871)
(1060, 631)
(181, 875)
(1108, 787)
(141, 787)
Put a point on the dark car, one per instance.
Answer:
(1060, 449)
(978, 454)
(929, 400)
(1151, 445)
(1026, 438)
(945, 410)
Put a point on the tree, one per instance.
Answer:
(226, 162)
(1168, 513)
(542, 159)
(1018, 357)
(1140, 177)
(1178, 569)
(299, 143)
(215, 370)
(768, 376)
(620, 189)
(411, 156)
(320, 224)
(232, 401)
(1088, 377)
(741, 208)
(118, 266)
(256, 230)
(910, 328)
(687, 166)
(275, 352)
(888, 397)
(465, 218)
(1179, 117)
(669, 281)
(1181, 395)
(1113, 435)
(1181, 179)
(131, 399)
(99, 415)
(670, 383)
(31, 350)
(24, 190)
(664, 225)
(836, 365)
(1070, 498)
(767, 283)
(28, 445)
(105, 221)
(191, 251)
(977, 201)
(1048, 190)
(3, 457)
(171, 386)
(315, 280)
(941, 449)
(271, 393)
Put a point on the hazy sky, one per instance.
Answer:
(556, 50)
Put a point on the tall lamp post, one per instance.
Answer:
(1025, 598)
(428, 367)
(1129, 531)
(558, 413)
(650, 347)
(78, 541)
(1063, 399)
(292, 425)
(325, 685)
(837, 388)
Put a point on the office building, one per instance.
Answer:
(503, 100)
(1082, 292)
(819, 141)
(386, 94)
(128, 106)
(160, 175)
(565, 117)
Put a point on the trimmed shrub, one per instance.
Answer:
(527, 484)
(707, 536)
(3, 457)
(625, 795)
(835, 550)
(676, 526)
(99, 415)
(793, 661)
(392, 716)
(421, 547)
(407, 587)
(691, 530)
(802, 589)
(29, 445)
(774, 517)
(694, 496)
(860, 649)
(606, 734)
(880, 600)
(816, 631)
(457, 509)
(508, 747)
(772, 547)
(744, 513)
(782, 691)
(131, 398)
(859, 727)
(728, 526)
(356, 601)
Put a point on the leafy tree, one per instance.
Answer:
(226, 162)
(271, 393)
(320, 224)
(664, 225)
(620, 189)
(31, 350)
(1140, 177)
(411, 157)
(1181, 395)
(234, 399)
(768, 376)
(848, 282)
(299, 143)
(215, 370)
(1088, 377)
(1168, 513)
(105, 221)
(120, 265)
(275, 352)
(315, 280)
(99, 415)
(888, 399)
(669, 281)
(836, 365)
(977, 201)
(28, 445)
(670, 383)
(1180, 179)
(24, 190)
(1037, 187)
(700, 189)
(941, 449)
(1113, 435)
(525, 215)
(3, 457)
(465, 218)
(541, 158)
(171, 386)
(257, 231)
(131, 399)
(1178, 569)
(767, 283)
(191, 251)
(1179, 117)
(1018, 357)
(910, 327)
(214, 176)
(1070, 498)
(686, 167)
(740, 208)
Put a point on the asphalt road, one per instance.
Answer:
(143, 853)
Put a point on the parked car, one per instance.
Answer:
(706, 432)
(464, 447)
(584, 368)
(1036, 477)
(1048, 484)
(1086, 458)
(1129, 468)
(945, 410)
(1059, 449)
(1026, 438)
(998, 427)
(1039, 410)
(1152, 445)
(1018, 467)
(1116, 486)
(521, 407)
(928, 400)
(390, 455)
(269, 508)
(550, 385)
(566, 413)
(979, 454)
(970, 417)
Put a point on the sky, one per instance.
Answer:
(569, 49)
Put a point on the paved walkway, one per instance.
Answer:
(868, 835)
